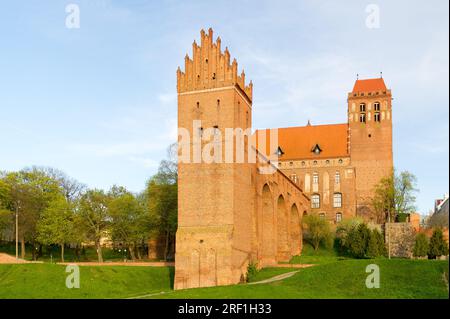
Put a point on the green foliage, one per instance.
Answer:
(343, 228)
(54, 209)
(94, 217)
(382, 250)
(421, 245)
(129, 220)
(361, 242)
(328, 240)
(317, 231)
(162, 202)
(375, 247)
(402, 217)
(394, 195)
(438, 245)
(252, 271)
(56, 224)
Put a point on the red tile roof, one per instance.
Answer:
(369, 85)
(298, 142)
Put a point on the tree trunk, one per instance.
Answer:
(33, 252)
(138, 250)
(166, 249)
(22, 248)
(131, 249)
(99, 251)
(39, 251)
(77, 252)
(62, 252)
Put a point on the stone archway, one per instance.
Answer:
(283, 251)
(268, 248)
(295, 231)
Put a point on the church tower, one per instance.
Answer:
(370, 138)
(214, 210)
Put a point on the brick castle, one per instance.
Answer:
(231, 214)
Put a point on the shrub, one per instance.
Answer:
(252, 271)
(317, 231)
(421, 245)
(328, 241)
(342, 231)
(375, 246)
(357, 241)
(438, 245)
(382, 251)
(372, 247)
(361, 242)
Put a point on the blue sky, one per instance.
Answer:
(99, 102)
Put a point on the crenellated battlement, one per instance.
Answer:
(209, 68)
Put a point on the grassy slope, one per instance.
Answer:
(332, 277)
(48, 281)
(321, 256)
(342, 279)
(270, 272)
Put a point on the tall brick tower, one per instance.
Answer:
(214, 206)
(370, 138)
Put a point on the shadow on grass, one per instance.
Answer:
(172, 276)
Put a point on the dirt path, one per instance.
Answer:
(294, 265)
(265, 281)
(136, 264)
(8, 259)
(276, 278)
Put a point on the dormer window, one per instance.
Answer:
(279, 151)
(316, 149)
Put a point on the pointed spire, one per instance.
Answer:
(309, 123)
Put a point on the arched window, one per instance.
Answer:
(362, 107)
(294, 178)
(315, 201)
(376, 117)
(315, 178)
(376, 106)
(338, 217)
(337, 200)
(337, 178)
(362, 117)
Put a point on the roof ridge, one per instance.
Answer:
(304, 126)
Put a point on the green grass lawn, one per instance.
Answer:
(48, 281)
(270, 272)
(331, 277)
(342, 279)
(311, 256)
